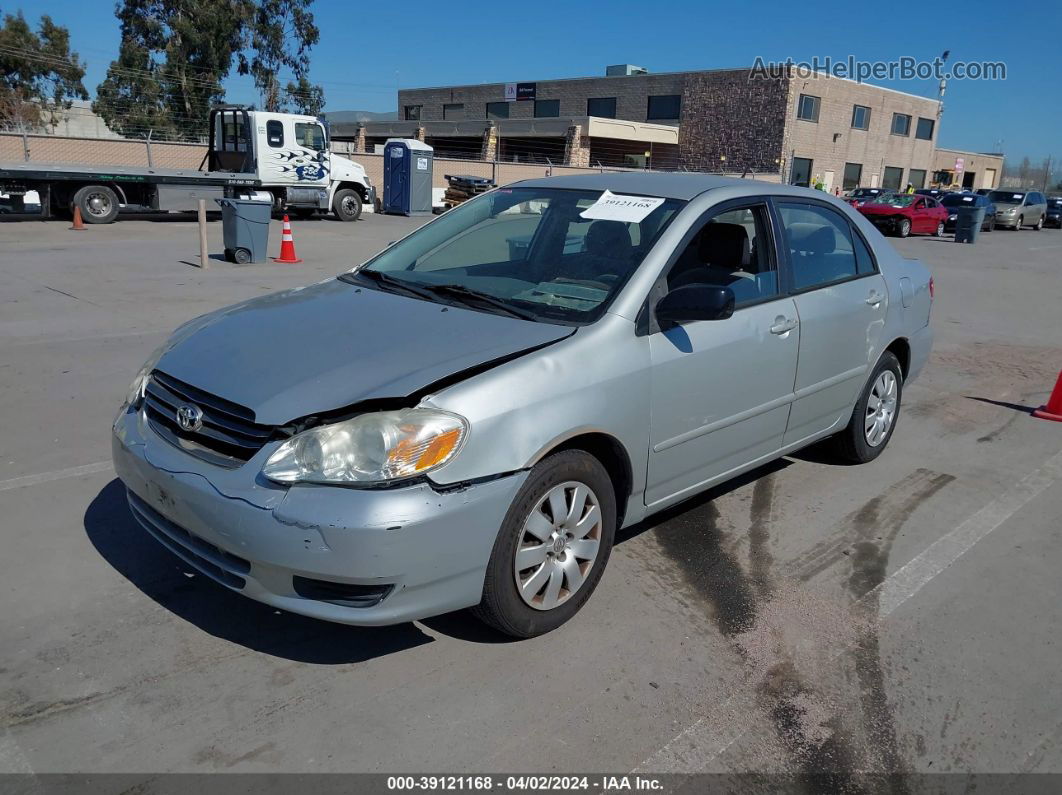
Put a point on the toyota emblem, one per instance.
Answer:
(189, 417)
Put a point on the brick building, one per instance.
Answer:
(805, 129)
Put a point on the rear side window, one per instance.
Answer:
(275, 133)
(820, 245)
(864, 259)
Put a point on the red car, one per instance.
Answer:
(906, 214)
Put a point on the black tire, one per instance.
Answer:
(903, 228)
(346, 205)
(851, 443)
(502, 606)
(98, 204)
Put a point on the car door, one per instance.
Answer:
(841, 302)
(721, 389)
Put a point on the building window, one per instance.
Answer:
(547, 108)
(893, 178)
(901, 124)
(497, 110)
(917, 177)
(275, 133)
(801, 173)
(413, 112)
(853, 175)
(454, 110)
(808, 107)
(924, 129)
(664, 106)
(602, 107)
(860, 117)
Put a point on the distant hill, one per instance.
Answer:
(354, 116)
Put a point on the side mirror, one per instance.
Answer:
(695, 302)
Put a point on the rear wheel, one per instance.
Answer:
(875, 414)
(1039, 224)
(940, 229)
(552, 547)
(903, 229)
(98, 204)
(346, 204)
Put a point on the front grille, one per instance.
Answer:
(226, 568)
(229, 435)
(340, 593)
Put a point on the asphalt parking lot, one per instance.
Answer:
(810, 618)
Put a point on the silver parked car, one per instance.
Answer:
(1018, 208)
(467, 419)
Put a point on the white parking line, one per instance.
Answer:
(58, 474)
(693, 749)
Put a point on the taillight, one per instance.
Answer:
(931, 290)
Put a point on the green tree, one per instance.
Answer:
(173, 58)
(280, 36)
(39, 76)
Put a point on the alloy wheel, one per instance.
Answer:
(881, 408)
(558, 546)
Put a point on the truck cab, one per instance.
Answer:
(289, 155)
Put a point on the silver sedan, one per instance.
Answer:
(467, 419)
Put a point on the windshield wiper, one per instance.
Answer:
(386, 280)
(467, 295)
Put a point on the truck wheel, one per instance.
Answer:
(346, 204)
(98, 204)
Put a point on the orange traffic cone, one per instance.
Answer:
(287, 246)
(1053, 409)
(78, 225)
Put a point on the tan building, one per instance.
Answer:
(817, 129)
(953, 168)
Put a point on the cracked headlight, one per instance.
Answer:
(374, 448)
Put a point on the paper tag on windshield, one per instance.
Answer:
(628, 209)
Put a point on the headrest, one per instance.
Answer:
(608, 239)
(811, 238)
(724, 246)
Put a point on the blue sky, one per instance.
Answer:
(451, 43)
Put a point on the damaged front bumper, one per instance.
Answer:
(355, 556)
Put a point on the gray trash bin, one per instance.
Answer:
(245, 224)
(968, 221)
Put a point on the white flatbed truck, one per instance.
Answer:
(251, 152)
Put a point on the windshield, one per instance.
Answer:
(1055, 204)
(532, 251)
(959, 199)
(1006, 197)
(860, 193)
(903, 200)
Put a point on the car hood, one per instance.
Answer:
(332, 344)
(883, 209)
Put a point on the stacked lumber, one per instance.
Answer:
(463, 187)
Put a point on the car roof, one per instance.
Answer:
(668, 185)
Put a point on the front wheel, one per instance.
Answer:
(904, 228)
(940, 229)
(874, 416)
(1019, 225)
(1039, 224)
(346, 204)
(552, 547)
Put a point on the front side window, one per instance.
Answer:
(901, 124)
(924, 129)
(525, 251)
(602, 107)
(733, 249)
(275, 133)
(860, 117)
(310, 135)
(808, 107)
(820, 245)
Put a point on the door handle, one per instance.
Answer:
(783, 324)
(874, 299)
